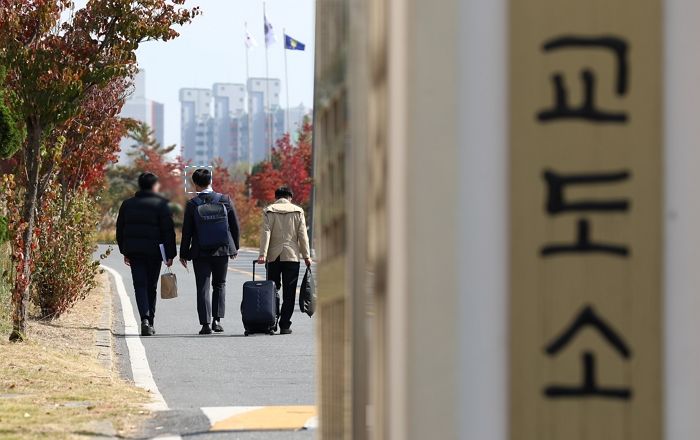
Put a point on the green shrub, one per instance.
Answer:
(5, 288)
(11, 135)
(65, 271)
(4, 231)
(7, 192)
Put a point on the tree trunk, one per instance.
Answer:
(20, 292)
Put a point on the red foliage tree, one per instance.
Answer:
(246, 208)
(91, 139)
(291, 165)
(264, 182)
(55, 59)
(169, 173)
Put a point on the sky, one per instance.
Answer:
(211, 49)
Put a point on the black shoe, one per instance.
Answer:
(285, 331)
(152, 330)
(216, 326)
(206, 330)
(145, 328)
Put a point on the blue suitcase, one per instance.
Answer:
(259, 306)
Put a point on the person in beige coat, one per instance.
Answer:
(283, 240)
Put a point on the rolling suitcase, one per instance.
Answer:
(259, 308)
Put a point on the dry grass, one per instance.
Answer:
(53, 387)
(106, 236)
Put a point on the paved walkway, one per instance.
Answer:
(226, 385)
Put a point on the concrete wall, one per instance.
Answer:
(442, 321)
(430, 193)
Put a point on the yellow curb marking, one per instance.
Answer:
(273, 418)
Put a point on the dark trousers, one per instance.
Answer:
(285, 274)
(210, 272)
(145, 272)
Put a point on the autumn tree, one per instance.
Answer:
(145, 153)
(11, 134)
(169, 172)
(53, 66)
(90, 140)
(290, 165)
(264, 181)
(64, 271)
(11, 139)
(144, 141)
(247, 209)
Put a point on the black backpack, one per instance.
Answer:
(211, 221)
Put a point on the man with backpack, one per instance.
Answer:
(210, 236)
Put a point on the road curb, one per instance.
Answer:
(140, 369)
(103, 335)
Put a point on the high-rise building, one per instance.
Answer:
(140, 108)
(243, 137)
(264, 86)
(196, 125)
(156, 110)
(216, 123)
(296, 118)
(229, 100)
(229, 107)
(264, 102)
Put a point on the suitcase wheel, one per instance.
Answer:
(271, 332)
(246, 333)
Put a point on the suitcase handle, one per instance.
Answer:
(254, 263)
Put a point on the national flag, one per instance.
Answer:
(249, 40)
(292, 44)
(269, 33)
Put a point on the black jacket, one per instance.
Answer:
(189, 247)
(145, 222)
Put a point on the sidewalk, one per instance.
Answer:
(60, 385)
(225, 385)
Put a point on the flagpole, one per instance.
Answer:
(250, 109)
(268, 110)
(286, 79)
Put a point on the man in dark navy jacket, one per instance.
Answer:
(144, 223)
(209, 247)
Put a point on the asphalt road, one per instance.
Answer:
(223, 370)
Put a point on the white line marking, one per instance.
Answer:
(140, 370)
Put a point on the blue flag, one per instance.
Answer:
(292, 44)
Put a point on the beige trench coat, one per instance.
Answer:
(284, 232)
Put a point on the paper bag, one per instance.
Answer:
(168, 285)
